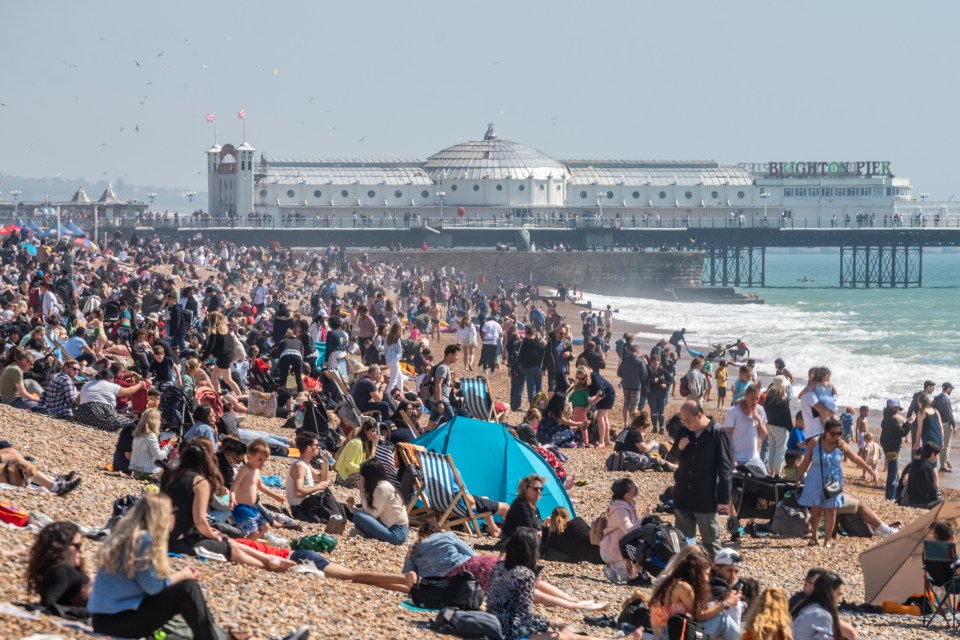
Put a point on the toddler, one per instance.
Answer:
(791, 464)
(244, 492)
(862, 430)
(741, 383)
(579, 399)
(872, 454)
(721, 383)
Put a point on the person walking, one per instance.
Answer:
(703, 476)
(696, 380)
(942, 405)
(893, 430)
(557, 356)
(779, 422)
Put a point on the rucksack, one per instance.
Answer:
(684, 386)
(626, 461)
(461, 591)
(596, 529)
(788, 521)
(468, 624)
(425, 389)
(652, 544)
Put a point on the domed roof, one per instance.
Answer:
(494, 159)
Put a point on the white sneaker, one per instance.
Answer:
(886, 531)
(275, 541)
(309, 568)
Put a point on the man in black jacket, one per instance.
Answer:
(634, 377)
(703, 476)
(177, 325)
(942, 404)
(531, 360)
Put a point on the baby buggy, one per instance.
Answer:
(755, 495)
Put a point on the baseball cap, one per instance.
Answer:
(929, 383)
(893, 402)
(728, 556)
(948, 385)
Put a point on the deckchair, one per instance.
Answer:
(476, 398)
(350, 416)
(441, 492)
(409, 422)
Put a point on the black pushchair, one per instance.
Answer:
(755, 495)
(176, 408)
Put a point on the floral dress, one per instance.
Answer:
(510, 598)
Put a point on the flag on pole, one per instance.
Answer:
(212, 117)
(241, 114)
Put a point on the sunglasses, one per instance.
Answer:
(835, 434)
(537, 489)
(77, 545)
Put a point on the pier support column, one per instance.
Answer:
(883, 266)
(735, 267)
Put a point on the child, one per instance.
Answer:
(872, 454)
(708, 371)
(244, 492)
(796, 441)
(791, 464)
(721, 384)
(846, 421)
(153, 398)
(579, 399)
(741, 383)
(862, 430)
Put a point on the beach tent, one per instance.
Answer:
(893, 569)
(30, 247)
(492, 462)
(73, 229)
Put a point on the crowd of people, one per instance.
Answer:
(169, 346)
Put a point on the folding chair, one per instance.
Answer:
(441, 492)
(941, 582)
(350, 416)
(476, 398)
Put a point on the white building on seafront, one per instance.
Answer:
(492, 178)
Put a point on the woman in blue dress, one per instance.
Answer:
(823, 460)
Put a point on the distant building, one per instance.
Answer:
(494, 177)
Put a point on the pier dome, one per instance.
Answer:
(494, 159)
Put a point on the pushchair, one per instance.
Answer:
(176, 408)
(260, 376)
(755, 496)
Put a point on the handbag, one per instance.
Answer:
(336, 525)
(830, 489)
(681, 627)
(461, 591)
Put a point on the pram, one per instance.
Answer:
(176, 409)
(259, 376)
(755, 496)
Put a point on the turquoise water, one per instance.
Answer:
(880, 343)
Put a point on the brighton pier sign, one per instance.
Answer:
(861, 168)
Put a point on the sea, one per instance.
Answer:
(879, 343)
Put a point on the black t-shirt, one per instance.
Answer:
(631, 438)
(921, 489)
(124, 445)
(520, 514)
(362, 389)
(63, 587)
(226, 469)
(229, 425)
(162, 371)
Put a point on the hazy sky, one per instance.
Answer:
(729, 81)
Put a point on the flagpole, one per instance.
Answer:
(214, 132)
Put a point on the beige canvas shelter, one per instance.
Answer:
(893, 569)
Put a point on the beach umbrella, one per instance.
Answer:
(893, 569)
(84, 243)
(7, 230)
(74, 229)
(30, 247)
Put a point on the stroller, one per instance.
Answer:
(756, 495)
(346, 409)
(313, 418)
(176, 408)
(260, 376)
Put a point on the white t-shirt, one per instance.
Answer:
(492, 332)
(811, 423)
(744, 436)
(99, 391)
(467, 335)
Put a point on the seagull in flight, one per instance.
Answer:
(160, 54)
(137, 62)
(362, 139)
(137, 128)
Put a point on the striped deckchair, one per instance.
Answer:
(476, 398)
(440, 492)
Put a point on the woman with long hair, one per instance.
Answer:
(769, 617)
(218, 347)
(555, 426)
(392, 352)
(467, 338)
(621, 518)
(777, 406)
(354, 452)
(602, 396)
(512, 593)
(382, 514)
(147, 452)
(817, 617)
(685, 590)
(55, 570)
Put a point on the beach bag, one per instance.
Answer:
(681, 627)
(461, 591)
(596, 529)
(635, 613)
(468, 624)
(788, 521)
(262, 404)
(238, 353)
(322, 543)
(653, 544)
(320, 507)
(684, 386)
(854, 526)
(626, 461)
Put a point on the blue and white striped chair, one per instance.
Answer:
(476, 398)
(441, 492)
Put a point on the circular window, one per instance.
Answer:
(476, 187)
(558, 187)
(453, 187)
(583, 195)
(344, 194)
(740, 194)
(609, 195)
(542, 187)
(523, 187)
(663, 195)
(424, 194)
(290, 193)
(499, 187)
(317, 193)
(263, 193)
(398, 194)
(714, 194)
(688, 195)
(636, 194)
(371, 194)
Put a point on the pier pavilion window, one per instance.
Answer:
(663, 195)
(740, 195)
(344, 194)
(714, 194)
(424, 194)
(453, 187)
(398, 194)
(583, 195)
(636, 195)
(317, 193)
(290, 193)
(825, 192)
(688, 195)
(814, 193)
(523, 187)
(263, 193)
(609, 195)
(499, 187)
(476, 187)
(371, 194)
(542, 188)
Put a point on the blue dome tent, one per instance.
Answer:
(492, 462)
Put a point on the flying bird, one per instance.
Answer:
(362, 139)
(3, 104)
(137, 62)
(160, 54)
(137, 128)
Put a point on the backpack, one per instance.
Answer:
(854, 526)
(425, 389)
(239, 354)
(684, 386)
(513, 360)
(468, 624)
(596, 529)
(461, 591)
(626, 461)
(652, 544)
(788, 521)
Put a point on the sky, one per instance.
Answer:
(726, 81)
